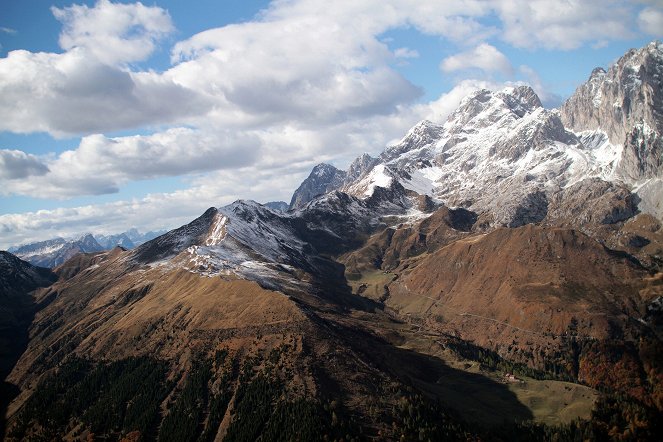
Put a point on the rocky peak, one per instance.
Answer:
(423, 134)
(520, 100)
(629, 92)
(360, 167)
(322, 179)
(486, 108)
(626, 102)
(89, 244)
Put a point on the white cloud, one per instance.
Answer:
(485, 57)
(100, 164)
(6, 30)
(548, 99)
(311, 62)
(563, 25)
(113, 32)
(71, 93)
(406, 53)
(650, 21)
(15, 164)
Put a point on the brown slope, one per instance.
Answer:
(541, 296)
(108, 309)
(385, 250)
(510, 271)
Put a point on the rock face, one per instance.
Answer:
(323, 178)
(626, 102)
(359, 168)
(629, 93)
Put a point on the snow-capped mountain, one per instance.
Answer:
(138, 238)
(502, 155)
(243, 238)
(53, 252)
(283, 250)
(625, 105)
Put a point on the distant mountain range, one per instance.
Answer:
(496, 277)
(54, 252)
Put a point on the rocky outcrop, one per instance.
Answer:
(590, 202)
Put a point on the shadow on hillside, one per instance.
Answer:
(18, 314)
(476, 398)
(14, 339)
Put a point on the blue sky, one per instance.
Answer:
(120, 114)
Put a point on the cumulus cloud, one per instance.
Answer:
(71, 93)
(112, 32)
(485, 57)
(100, 164)
(311, 62)
(650, 21)
(15, 164)
(563, 25)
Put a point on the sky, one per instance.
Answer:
(120, 114)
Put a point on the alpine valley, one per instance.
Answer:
(497, 277)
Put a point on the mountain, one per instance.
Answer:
(110, 241)
(17, 280)
(52, 253)
(495, 277)
(322, 179)
(279, 206)
(138, 238)
(625, 106)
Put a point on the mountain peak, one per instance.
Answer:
(597, 72)
(520, 99)
(323, 169)
(421, 135)
(323, 178)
